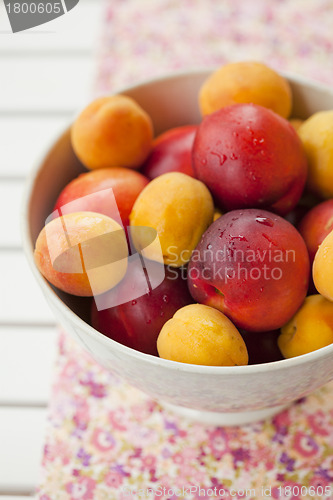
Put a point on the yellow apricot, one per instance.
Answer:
(201, 335)
(82, 253)
(246, 82)
(217, 214)
(112, 131)
(310, 329)
(316, 133)
(322, 269)
(180, 208)
(296, 123)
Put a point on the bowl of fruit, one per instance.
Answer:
(181, 232)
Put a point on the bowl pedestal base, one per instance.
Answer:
(224, 419)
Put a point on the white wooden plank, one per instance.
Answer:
(75, 31)
(14, 497)
(45, 83)
(23, 138)
(21, 436)
(10, 203)
(5, 28)
(27, 357)
(21, 300)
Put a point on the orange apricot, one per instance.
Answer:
(309, 329)
(112, 131)
(82, 253)
(201, 335)
(246, 82)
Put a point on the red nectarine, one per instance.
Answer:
(253, 266)
(248, 156)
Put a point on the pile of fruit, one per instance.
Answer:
(211, 244)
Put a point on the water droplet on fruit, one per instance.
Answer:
(261, 289)
(257, 141)
(235, 134)
(165, 299)
(134, 302)
(161, 314)
(203, 162)
(209, 246)
(222, 158)
(266, 221)
(233, 156)
(263, 153)
(254, 178)
(240, 238)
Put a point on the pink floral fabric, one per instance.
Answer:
(105, 439)
(146, 38)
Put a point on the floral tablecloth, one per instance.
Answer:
(106, 440)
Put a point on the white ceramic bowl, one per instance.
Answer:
(218, 395)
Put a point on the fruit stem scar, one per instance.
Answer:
(82, 259)
(145, 272)
(64, 228)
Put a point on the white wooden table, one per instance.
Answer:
(46, 75)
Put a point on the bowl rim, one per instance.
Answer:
(107, 342)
